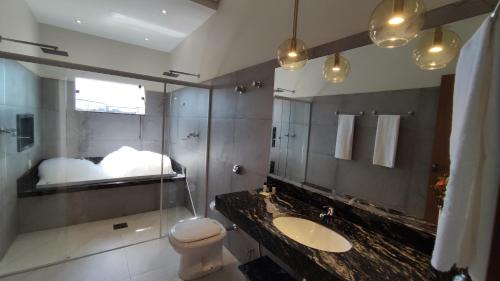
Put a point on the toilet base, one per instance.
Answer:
(194, 267)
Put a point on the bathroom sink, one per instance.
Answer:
(312, 234)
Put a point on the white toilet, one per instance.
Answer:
(199, 242)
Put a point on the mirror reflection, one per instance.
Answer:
(373, 131)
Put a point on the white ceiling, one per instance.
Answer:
(128, 21)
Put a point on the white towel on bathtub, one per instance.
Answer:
(123, 163)
(345, 131)
(129, 162)
(386, 140)
(63, 170)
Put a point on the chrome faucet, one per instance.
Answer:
(326, 217)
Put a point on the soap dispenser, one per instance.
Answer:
(265, 190)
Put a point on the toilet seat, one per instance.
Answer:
(196, 232)
(196, 229)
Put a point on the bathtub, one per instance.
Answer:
(28, 184)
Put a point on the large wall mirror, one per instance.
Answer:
(306, 148)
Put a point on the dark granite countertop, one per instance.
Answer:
(373, 256)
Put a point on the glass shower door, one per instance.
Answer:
(186, 137)
(290, 139)
(298, 141)
(80, 165)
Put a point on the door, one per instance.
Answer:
(441, 146)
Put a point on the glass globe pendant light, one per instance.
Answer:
(292, 53)
(436, 48)
(394, 23)
(336, 68)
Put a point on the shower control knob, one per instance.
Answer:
(258, 84)
(240, 89)
(237, 169)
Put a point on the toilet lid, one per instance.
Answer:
(195, 229)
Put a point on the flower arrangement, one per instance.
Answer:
(439, 189)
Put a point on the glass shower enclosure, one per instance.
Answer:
(290, 139)
(93, 159)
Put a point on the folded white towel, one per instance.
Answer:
(345, 131)
(386, 140)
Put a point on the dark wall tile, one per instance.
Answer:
(224, 97)
(323, 114)
(222, 139)
(321, 170)
(63, 209)
(404, 187)
(252, 143)
(322, 138)
(240, 134)
(219, 178)
(247, 180)
(256, 102)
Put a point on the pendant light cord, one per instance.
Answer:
(295, 17)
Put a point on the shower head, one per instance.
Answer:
(48, 49)
(281, 90)
(175, 73)
(55, 52)
(171, 74)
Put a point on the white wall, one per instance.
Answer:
(17, 21)
(101, 52)
(247, 32)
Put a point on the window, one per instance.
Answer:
(104, 96)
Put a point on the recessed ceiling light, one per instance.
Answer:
(79, 21)
(147, 39)
(163, 11)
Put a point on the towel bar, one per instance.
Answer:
(361, 113)
(406, 114)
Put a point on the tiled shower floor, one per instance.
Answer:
(34, 249)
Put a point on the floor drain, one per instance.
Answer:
(120, 225)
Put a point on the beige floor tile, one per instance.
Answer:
(46, 247)
(33, 249)
(150, 256)
(229, 272)
(109, 266)
(149, 261)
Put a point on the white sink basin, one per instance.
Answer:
(312, 234)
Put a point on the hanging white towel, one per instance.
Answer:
(345, 131)
(465, 226)
(386, 140)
